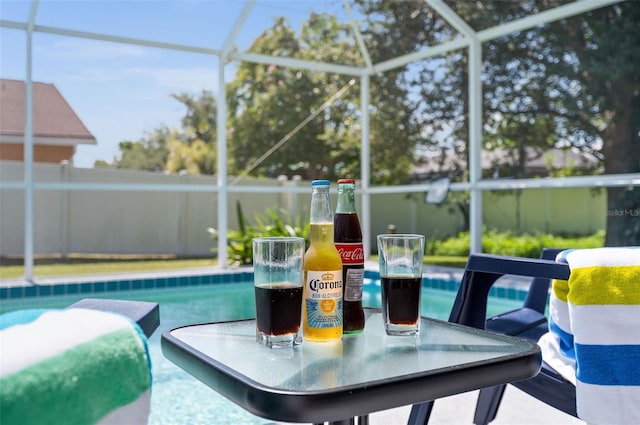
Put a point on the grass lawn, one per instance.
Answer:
(102, 264)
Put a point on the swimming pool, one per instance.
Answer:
(179, 398)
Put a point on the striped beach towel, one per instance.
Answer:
(594, 333)
(73, 366)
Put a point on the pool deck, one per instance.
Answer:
(104, 277)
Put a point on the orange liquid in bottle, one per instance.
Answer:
(323, 286)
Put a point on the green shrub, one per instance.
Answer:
(508, 243)
(240, 242)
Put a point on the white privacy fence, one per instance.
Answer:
(113, 211)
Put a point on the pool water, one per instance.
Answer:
(178, 398)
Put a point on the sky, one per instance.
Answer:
(123, 91)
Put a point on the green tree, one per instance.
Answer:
(569, 83)
(191, 148)
(148, 154)
(100, 163)
(268, 102)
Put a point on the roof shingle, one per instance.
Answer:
(53, 118)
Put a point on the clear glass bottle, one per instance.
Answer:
(322, 304)
(348, 241)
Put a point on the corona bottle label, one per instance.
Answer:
(324, 299)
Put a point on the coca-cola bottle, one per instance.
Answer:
(347, 237)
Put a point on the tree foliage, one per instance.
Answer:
(569, 84)
(268, 102)
(572, 83)
(149, 153)
(191, 149)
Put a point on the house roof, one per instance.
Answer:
(54, 121)
(537, 163)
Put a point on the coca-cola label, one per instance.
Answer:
(351, 253)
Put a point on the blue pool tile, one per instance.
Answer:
(16, 292)
(161, 282)
(112, 286)
(44, 291)
(172, 282)
(86, 288)
(30, 291)
(59, 289)
(184, 281)
(99, 286)
(124, 285)
(137, 284)
(4, 293)
(149, 283)
(73, 288)
(217, 278)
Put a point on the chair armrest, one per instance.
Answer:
(481, 272)
(145, 314)
(520, 266)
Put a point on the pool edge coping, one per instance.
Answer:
(443, 278)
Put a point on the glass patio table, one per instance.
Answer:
(358, 375)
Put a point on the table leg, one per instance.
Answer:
(360, 420)
(420, 413)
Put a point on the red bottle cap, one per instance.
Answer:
(346, 181)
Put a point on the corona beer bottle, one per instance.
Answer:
(322, 272)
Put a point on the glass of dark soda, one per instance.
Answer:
(400, 257)
(278, 282)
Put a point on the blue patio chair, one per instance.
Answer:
(470, 305)
(528, 322)
(87, 363)
(604, 289)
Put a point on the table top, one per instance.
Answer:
(360, 374)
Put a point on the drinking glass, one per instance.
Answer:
(278, 281)
(400, 257)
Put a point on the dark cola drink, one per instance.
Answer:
(401, 299)
(278, 308)
(348, 241)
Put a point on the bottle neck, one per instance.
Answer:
(346, 199)
(321, 206)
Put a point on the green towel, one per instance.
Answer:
(74, 366)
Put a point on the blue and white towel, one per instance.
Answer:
(594, 333)
(74, 366)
